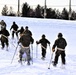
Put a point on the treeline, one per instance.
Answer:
(38, 12)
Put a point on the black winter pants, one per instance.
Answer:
(4, 41)
(57, 54)
(13, 32)
(43, 52)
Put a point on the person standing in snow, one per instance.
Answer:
(27, 31)
(15, 28)
(4, 38)
(43, 41)
(25, 41)
(21, 31)
(60, 44)
(3, 24)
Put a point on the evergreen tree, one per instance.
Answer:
(5, 10)
(38, 11)
(50, 13)
(58, 14)
(10, 12)
(65, 14)
(25, 10)
(73, 15)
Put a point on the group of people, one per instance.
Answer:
(59, 45)
(26, 39)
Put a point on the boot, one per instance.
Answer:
(43, 58)
(28, 63)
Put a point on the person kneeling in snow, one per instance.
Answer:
(25, 41)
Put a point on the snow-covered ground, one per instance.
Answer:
(49, 27)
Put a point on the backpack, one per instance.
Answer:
(25, 40)
(62, 43)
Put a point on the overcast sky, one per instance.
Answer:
(59, 4)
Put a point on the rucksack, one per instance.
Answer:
(62, 43)
(25, 40)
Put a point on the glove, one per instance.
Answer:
(18, 42)
(36, 42)
(31, 42)
(49, 44)
(53, 50)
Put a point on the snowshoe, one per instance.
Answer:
(54, 64)
(43, 58)
(20, 61)
(6, 49)
(63, 66)
(28, 63)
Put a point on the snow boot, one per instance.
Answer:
(28, 63)
(43, 58)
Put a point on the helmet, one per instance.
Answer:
(60, 35)
(43, 36)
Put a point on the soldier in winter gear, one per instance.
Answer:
(60, 43)
(15, 28)
(3, 24)
(21, 31)
(4, 37)
(27, 31)
(43, 41)
(25, 41)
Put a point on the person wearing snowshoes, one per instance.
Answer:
(21, 31)
(60, 44)
(15, 28)
(3, 24)
(25, 41)
(43, 41)
(4, 38)
(27, 31)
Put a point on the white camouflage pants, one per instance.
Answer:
(25, 50)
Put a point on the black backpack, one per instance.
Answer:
(62, 43)
(26, 39)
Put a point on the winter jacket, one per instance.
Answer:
(3, 24)
(14, 27)
(25, 40)
(43, 42)
(4, 35)
(60, 43)
(28, 32)
(21, 31)
(4, 32)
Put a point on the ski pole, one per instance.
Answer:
(14, 54)
(50, 60)
(36, 50)
(13, 44)
(51, 57)
(32, 52)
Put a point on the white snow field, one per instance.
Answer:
(49, 27)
